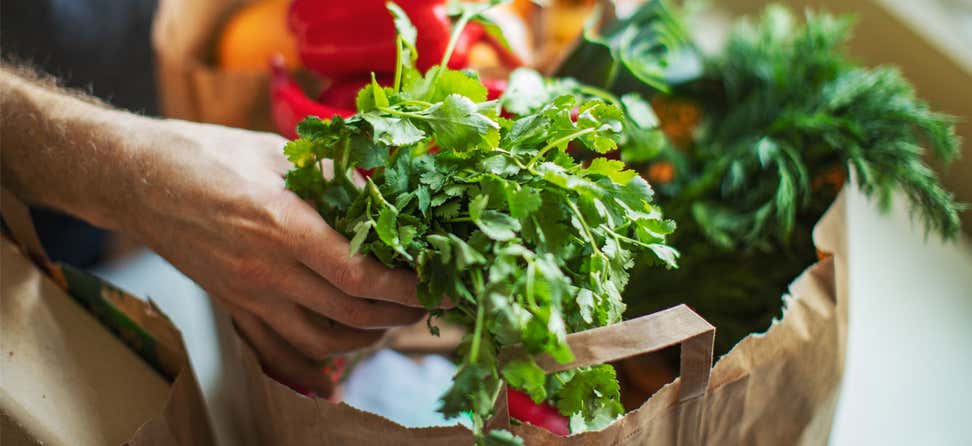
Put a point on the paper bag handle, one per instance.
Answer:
(646, 334)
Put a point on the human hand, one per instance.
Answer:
(212, 201)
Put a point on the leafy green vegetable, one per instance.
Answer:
(528, 91)
(791, 105)
(787, 117)
(492, 213)
(631, 54)
(592, 397)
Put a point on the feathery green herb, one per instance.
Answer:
(786, 117)
(789, 105)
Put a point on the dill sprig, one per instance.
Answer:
(786, 117)
(786, 105)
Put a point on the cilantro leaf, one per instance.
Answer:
(403, 26)
(458, 124)
(497, 225)
(527, 242)
(639, 112)
(525, 92)
(523, 202)
(300, 152)
(393, 131)
(451, 82)
(365, 154)
(361, 231)
(613, 169)
(472, 386)
(577, 396)
(527, 376)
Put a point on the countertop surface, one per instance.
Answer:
(908, 377)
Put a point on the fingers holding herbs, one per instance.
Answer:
(225, 219)
(281, 360)
(314, 336)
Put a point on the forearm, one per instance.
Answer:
(211, 200)
(65, 152)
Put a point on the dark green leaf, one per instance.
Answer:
(528, 377)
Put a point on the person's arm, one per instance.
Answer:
(212, 201)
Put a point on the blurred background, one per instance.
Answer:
(909, 352)
(930, 40)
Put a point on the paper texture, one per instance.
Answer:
(97, 367)
(775, 388)
(191, 87)
(65, 379)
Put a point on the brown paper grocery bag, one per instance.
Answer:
(283, 417)
(775, 388)
(191, 87)
(84, 363)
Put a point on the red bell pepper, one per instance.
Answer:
(338, 39)
(542, 415)
(494, 88)
(343, 93)
(348, 41)
(290, 105)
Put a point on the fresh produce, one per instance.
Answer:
(523, 408)
(255, 34)
(492, 214)
(761, 142)
(560, 23)
(629, 55)
(290, 105)
(341, 38)
(338, 39)
(347, 43)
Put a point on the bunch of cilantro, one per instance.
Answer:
(492, 213)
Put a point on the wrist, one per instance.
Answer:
(110, 187)
(134, 173)
(75, 155)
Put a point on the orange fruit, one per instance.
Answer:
(254, 34)
(662, 172)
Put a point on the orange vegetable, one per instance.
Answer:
(678, 118)
(661, 172)
(832, 177)
(254, 35)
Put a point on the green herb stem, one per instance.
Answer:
(477, 333)
(404, 114)
(398, 63)
(453, 39)
(558, 142)
(587, 229)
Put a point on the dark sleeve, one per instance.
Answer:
(99, 46)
